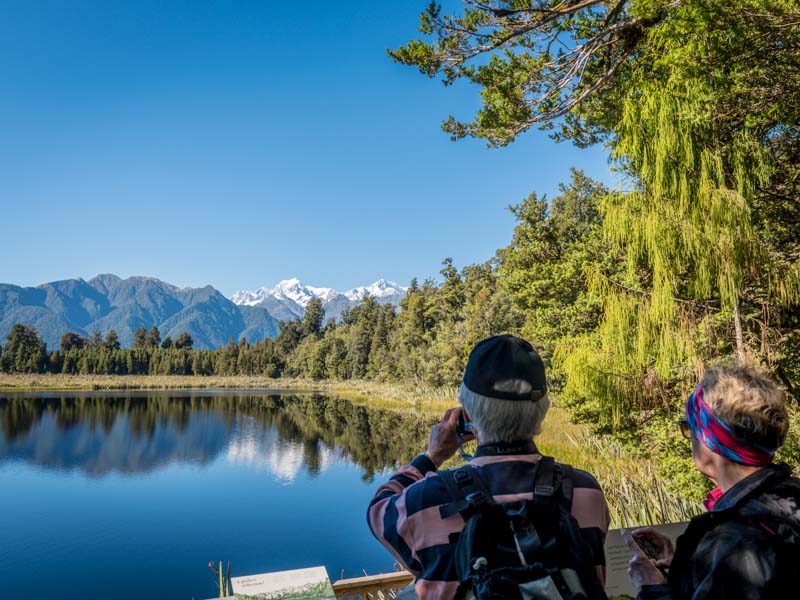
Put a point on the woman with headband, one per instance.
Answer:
(748, 543)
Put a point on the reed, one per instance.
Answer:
(636, 495)
(21, 382)
(222, 578)
(400, 393)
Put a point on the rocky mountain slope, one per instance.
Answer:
(108, 302)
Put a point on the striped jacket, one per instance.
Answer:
(404, 515)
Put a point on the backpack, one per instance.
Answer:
(526, 549)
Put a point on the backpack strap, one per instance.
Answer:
(552, 495)
(567, 486)
(547, 484)
(553, 480)
(547, 479)
(467, 490)
(544, 478)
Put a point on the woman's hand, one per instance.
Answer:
(661, 544)
(642, 570)
(443, 442)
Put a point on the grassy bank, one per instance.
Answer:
(635, 494)
(425, 400)
(19, 382)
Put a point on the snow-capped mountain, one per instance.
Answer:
(288, 289)
(381, 290)
(289, 299)
(302, 294)
(250, 298)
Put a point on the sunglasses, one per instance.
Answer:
(686, 430)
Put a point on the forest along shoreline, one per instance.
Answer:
(636, 494)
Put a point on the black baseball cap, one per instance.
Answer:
(505, 367)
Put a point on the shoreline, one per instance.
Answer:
(19, 382)
(387, 395)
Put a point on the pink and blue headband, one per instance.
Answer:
(719, 437)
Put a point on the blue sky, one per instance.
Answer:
(239, 143)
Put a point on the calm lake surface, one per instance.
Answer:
(130, 495)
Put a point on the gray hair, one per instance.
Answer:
(497, 420)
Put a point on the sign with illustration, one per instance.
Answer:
(299, 584)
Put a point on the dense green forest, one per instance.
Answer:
(628, 293)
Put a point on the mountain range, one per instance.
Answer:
(109, 302)
(288, 300)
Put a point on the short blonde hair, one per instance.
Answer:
(498, 420)
(749, 402)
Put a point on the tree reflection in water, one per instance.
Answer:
(100, 433)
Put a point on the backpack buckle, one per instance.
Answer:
(462, 477)
(477, 499)
(479, 563)
(543, 490)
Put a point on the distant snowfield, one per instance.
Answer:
(294, 296)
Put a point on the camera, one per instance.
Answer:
(463, 427)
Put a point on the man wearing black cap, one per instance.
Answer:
(504, 397)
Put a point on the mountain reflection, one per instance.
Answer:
(263, 448)
(125, 433)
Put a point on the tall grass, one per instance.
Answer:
(402, 395)
(11, 382)
(635, 494)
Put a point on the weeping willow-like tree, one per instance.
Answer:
(686, 235)
(701, 277)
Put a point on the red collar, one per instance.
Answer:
(712, 498)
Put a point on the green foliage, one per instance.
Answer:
(704, 278)
(27, 354)
(288, 337)
(31, 351)
(663, 439)
(24, 351)
(140, 338)
(184, 341)
(312, 319)
(72, 340)
(111, 342)
(535, 61)
(153, 339)
(543, 267)
(96, 340)
(790, 452)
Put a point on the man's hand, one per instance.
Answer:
(661, 544)
(443, 442)
(641, 569)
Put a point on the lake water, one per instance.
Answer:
(130, 495)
